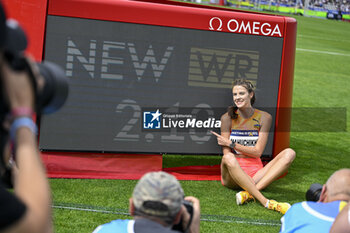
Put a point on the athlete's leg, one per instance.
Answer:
(226, 179)
(274, 169)
(232, 176)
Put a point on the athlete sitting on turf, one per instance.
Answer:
(241, 165)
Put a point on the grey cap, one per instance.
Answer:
(158, 194)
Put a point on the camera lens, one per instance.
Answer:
(55, 90)
(314, 192)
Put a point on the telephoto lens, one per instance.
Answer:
(55, 90)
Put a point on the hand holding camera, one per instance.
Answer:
(19, 92)
(28, 88)
(19, 95)
(190, 216)
(47, 79)
(194, 216)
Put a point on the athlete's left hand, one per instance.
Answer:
(222, 141)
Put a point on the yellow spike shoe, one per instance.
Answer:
(281, 207)
(243, 197)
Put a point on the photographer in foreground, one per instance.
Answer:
(28, 208)
(311, 216)
(157, 205)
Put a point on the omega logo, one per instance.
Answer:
(245, 26)
(211, 24)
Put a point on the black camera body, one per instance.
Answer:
(179, 226)
(314, 192)
(54, 92)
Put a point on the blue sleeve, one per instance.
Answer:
(290, 221)
(114, 226)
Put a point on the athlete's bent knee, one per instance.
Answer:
(230, 161)
(289, 155)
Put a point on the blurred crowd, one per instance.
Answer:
(334, 5)
(343, 5)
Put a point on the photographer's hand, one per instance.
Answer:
(18, 87)
(30, 182)
(195, 224)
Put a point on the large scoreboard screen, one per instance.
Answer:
(156, 83)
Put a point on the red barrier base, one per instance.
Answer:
(100, 166)
(195, 172)
(120, 166)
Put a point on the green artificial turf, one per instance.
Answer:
(322, 78)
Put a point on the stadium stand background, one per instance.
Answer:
(331, 9)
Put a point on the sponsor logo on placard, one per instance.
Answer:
(158, 120)
(245, 26)
(152, 120)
